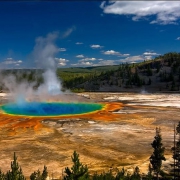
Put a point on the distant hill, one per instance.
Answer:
(88, 69)
(159, 74)
(156, 75)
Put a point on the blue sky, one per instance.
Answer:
(87, 33)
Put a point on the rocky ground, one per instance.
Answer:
(123, 141)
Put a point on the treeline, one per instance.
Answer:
(163, 72)
(31, 76)
(79, 171)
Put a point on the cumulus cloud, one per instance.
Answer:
(62, 49)
(87, 59)
(10, 63)
(96, 46)
(19, 61)
(87, 63)
(150, 54)
(132, 59)
(80, 56)
(116, 53)
(61, 61)
(148, 57)
(125, 54)
(107, 62)
(80, 64)
(165, 12)
(111, 52)
(100, 63)
(78, 43)
(178, 38)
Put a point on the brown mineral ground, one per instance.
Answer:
(119, 136)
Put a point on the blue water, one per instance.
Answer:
(49, 109)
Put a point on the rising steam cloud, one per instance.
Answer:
(44, 57)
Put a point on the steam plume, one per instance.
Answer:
(44, 56)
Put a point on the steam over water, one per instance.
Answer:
(43, 57)
(44, 54)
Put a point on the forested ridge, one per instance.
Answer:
(159, 74)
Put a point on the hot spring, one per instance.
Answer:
(50, 108)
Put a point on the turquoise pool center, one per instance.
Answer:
(50, 108)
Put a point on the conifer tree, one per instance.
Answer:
(36, 175)
(176, 152)
(104, 176)
(149, 175)
(78, 171)
(44, 173)
(16, 171)
(2, 175)
(136, 175)
(121, 174)
(158, 154)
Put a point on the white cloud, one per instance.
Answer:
(84, 63)
(61, 61)
(68, 32)
(166, 12)
(96, 46)
(78, 43)
(150, 54)
(107, 62)
(10, 63)
(80, 56)
(148, 57)
(87, 59)
(132, 59)
(111, 52)
(178, 38)
(125, 54)
(9, 58)
(100, 63)
(87, 63)
(62, 49)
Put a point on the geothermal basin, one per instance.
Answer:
(117, 133)
(50, 108)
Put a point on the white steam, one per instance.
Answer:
(44, 56)
(45, 50)
(18, 91)
(51, 85)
